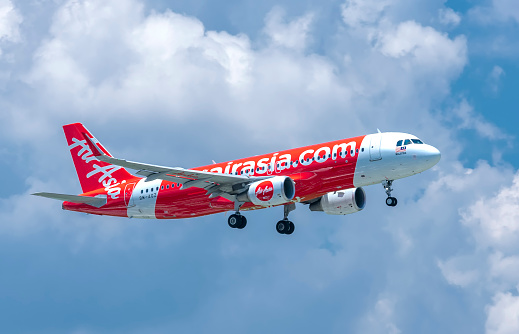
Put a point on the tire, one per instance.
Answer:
(233, 221)
(391, 201)
(281, 226)
(243, 222)
(291, 228)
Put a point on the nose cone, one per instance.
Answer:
(430, 155)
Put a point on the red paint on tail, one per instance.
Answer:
(92, 173)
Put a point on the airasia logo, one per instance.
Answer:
(265, 191)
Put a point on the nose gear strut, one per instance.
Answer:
(390, 201)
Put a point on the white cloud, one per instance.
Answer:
(494, 219)
(496, 11)
(494, 78)
(357, 13)
(455, 275)
(424, 46)
(380, 318)
(472, 120)
(10, 20)
(293, 35)
(449, 17)
(503, 315)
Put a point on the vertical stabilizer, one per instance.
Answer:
(92, 173)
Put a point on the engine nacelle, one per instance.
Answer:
(273, 191)
(341, 202)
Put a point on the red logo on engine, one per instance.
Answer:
(265, 191)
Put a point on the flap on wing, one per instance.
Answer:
(93, 201)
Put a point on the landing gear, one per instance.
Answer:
(285, 226)
(390, 201)
(237, 221)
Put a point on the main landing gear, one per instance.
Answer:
(390, 201)
(237, 221)
(285, 226)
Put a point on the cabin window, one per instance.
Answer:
(362, 149)
(162, 188)
(142, 191)
(146, 190)
(167, 186)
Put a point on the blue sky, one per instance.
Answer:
(182, 83)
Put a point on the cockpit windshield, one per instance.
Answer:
(404, 142)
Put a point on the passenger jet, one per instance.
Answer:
(327, 177)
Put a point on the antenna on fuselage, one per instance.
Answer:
(378, 131)
(214, 162)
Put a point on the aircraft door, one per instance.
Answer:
(128, 190)
(374, 147)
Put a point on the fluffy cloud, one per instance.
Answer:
(293, 34)
(497, 228)
(449, 17)
(426, 46)
(472, 120)
(503, 315)
(496, 11)
(357, 13)
(10, 21)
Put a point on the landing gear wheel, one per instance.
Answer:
(391, 201)
(285, 227)
(291, 228)
(243, 223)
(237, 221)
(282, 226)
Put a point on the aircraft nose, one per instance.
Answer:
(431, 154)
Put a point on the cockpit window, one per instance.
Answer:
(407, 142)
(417, 141)
(399, 143)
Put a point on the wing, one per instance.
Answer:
(93, 201)
(216, 184)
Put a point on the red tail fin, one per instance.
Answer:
(93, 174)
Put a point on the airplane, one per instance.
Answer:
(328, 177)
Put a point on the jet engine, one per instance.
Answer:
(273, 191)
(341, 202)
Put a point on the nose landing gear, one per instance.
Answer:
(390, 201)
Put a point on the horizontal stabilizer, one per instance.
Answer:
(93, 201)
